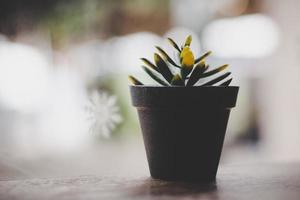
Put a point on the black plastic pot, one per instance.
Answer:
(183, 129)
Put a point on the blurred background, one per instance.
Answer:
(64, 97)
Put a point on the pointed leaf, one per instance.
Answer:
(177, 80)
(204, 70)
(174, 44)
(185, 71)
(196, 73)
(149, 64)
(217, 79)
(203, 57)
(214, 71)
(163, 68)
(188, 41)
(226, 83)
(167, 57)
(134, 81)
(154, 76)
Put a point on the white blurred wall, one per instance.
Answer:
(280, 92)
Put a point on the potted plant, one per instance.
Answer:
(183, 123)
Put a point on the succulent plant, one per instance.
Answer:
(189, 69)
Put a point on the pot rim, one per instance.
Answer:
(175, 86)
(174, 96)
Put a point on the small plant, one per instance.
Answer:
(162, 122)
(189, 71)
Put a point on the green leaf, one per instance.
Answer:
(149, 64)
(214, 71)
(163, 68)
(154, 76)
(226, 83)
(205, 69)
(174, 44)
(177, 80)
(196, 73)
(166, 56)
(134, 81)
(203, 57)
(185, 71)
(188, 41)
(217, 79)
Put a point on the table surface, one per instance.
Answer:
(245, 181)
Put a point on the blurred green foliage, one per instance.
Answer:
(79, 19)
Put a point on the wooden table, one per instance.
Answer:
(240, 182)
